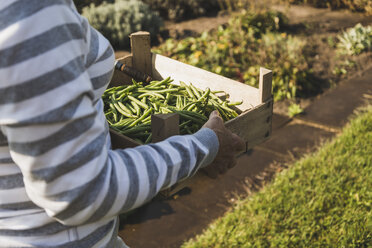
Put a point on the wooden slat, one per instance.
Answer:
(128, 60)
(164, 67)
(265, 84)
(164, 126)
(254, 126)
(141, 51)
(119, 141)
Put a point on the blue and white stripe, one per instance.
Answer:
(60, 183)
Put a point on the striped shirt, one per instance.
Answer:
(60, 183)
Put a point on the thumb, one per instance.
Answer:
(238, 143)
(214, 113)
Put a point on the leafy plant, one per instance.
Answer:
(178, 10)
(342, 67)
(80, 4)
(294, 109)
(116, 21)
(355, 40)
(237, 50)
(353, 5)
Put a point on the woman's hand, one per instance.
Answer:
(230, 145)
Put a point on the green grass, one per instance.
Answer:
(323, 200)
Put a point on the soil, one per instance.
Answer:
(180, 30)
(319, 26)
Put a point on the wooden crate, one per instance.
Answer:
(254, 122)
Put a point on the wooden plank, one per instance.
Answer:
(265, 84)
(120, 78)
(119, 141)
(164, 67)
(260, 139)
(128, 60)
(141, 51)
(253, 126)
(164, 126)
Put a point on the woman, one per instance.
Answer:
(60, 183)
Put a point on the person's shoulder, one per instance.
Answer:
(32, 12)
(36, 5)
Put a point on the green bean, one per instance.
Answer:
(124, 108)
(137, 108)
(148, 140)
(132, 110)
(114, 112)
(128, 108)
(192, 105)
(137, 129)
(234, 103)
(188, 90)
(138, 102)
(123, 123)
(165, 110)
(147, 112)
(127, 89)
(195, 91)
(165, 81)
(185, 115)
(196, 115)
(153, 94)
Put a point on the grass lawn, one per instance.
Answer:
(323, 200)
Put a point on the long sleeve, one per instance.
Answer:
(52, 119)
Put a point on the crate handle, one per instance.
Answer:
(265, 85)
(130, 71)
(141, 52)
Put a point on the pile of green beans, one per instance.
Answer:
(128, 108)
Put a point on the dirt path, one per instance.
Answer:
(179, 30)
(196, 26)
(325, 19)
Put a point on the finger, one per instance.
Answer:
(214, 121)
(238, 143)
(224, 163)
(223, 168)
